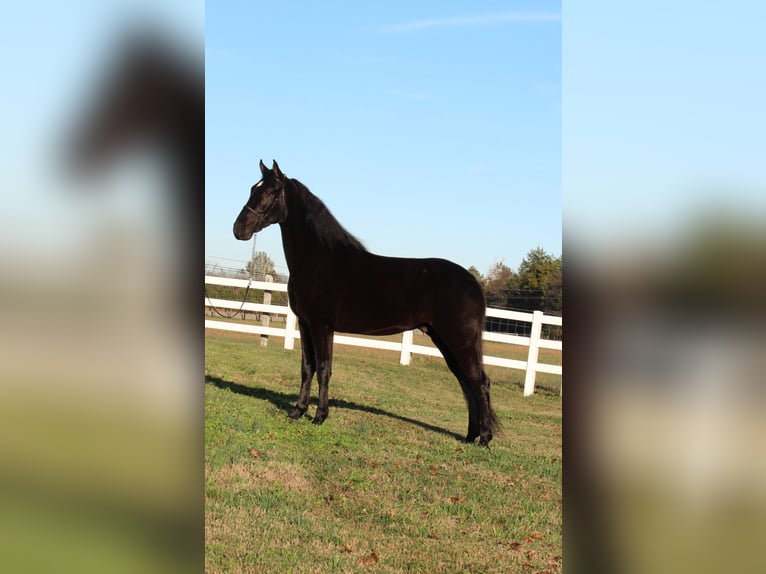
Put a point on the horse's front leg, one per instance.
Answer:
(323, 345)
(308, 367)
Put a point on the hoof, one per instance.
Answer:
(484, 441)
(319, 419)
(473, 432)
(296, 414)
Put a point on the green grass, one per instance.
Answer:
(385, 484)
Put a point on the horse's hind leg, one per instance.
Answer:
(308, 367)
(488, 415)
(463, 355)
(481, 425)
(471, 366)
(470, 389)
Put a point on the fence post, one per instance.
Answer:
(404, 358)
(266, 317)
(534, 351)
(290, 322)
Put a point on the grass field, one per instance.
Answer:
(385, 485)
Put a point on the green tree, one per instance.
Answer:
(539, 282)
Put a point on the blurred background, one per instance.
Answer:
(664, 201)
(102, 182)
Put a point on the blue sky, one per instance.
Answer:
(430, 129)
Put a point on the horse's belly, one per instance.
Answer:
(361, 330)
(376, 319)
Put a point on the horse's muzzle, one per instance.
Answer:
(241, 233)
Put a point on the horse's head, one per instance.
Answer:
(266, 205)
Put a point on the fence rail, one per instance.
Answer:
(406, 347)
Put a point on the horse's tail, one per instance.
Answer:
(495, 426)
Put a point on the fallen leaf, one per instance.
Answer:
(371, 559)
(434, 536)
(255, 453)
(347, 549)
(457, 499)
(515, 545)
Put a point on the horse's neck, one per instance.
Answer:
(289, 247)
(303, 249)
(299, 245)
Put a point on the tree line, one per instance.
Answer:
(535, 286)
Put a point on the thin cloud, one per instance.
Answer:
(477, 20)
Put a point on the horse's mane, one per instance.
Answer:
(323, 223)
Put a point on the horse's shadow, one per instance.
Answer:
(286, 402)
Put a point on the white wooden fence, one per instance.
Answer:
(406, 347)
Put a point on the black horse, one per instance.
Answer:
(337, 285)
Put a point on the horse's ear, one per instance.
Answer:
(275, 168)
(264, 169)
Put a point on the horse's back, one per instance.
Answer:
(428, 277)
(390, 294)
